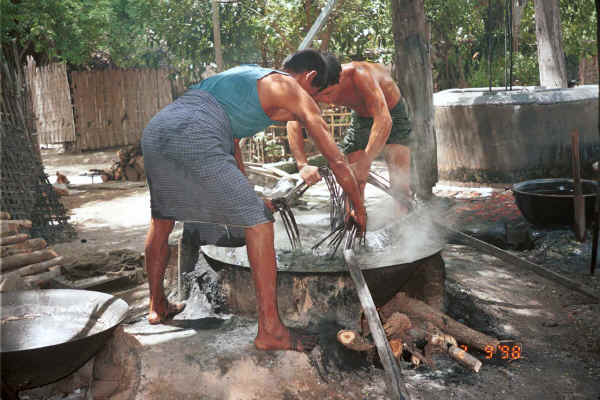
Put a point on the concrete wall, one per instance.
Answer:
(511, 136)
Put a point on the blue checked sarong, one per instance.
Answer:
(192, 175)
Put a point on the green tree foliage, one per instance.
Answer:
(578, 22)
(64, 30)
(179, 34)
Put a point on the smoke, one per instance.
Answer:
(402, 237)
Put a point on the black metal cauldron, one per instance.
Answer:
(548, 203)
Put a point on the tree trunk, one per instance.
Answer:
(518, 6)
(551, 58)
(413, 73)
(217, 35)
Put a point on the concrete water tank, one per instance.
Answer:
(504, 136)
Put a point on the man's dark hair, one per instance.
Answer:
(308, 60)
(334, 69)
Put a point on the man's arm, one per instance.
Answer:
(237, 154)
(309, 174)
(282, 96)
(296, 142)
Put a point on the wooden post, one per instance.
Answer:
(394, 377)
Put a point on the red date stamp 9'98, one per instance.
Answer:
(509, 351)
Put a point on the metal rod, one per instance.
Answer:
(318, 24)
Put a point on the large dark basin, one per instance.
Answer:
(548, 203)
(47, 334)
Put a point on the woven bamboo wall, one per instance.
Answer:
(272, 146)
(112, 107)
(51, 100)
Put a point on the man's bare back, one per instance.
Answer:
(355, 88)
(370, 91)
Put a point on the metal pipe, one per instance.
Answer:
(318, 24)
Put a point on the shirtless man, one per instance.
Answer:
(379, 123)
(195, 173)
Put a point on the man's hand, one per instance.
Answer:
(310, 174)
(360, 217)
(269, 204)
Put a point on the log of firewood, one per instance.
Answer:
(418, 355)
(420, 310)
(26, 246)
(397, 347)
(38, 267)
(464, 358)
(20, 260)
(38, 279)
(354, 341)
(396, 325)
(14, 225)
(6, 240)
(4, 215)
(443, 340)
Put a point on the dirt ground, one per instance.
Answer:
(106, 217)
(557, 328)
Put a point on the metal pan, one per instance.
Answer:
(548, 203)
(48, 334)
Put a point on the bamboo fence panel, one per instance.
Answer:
(113, 106)
(51, 100)
(272, 145)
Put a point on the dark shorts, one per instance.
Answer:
(357, 135)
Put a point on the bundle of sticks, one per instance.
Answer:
(128, 167)
(24, 262)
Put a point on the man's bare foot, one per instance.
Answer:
(164, 312)
(292, 339)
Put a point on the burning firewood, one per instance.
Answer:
(414, 327)
(464, 358)
(417, 309)
(353, 341)
(396, 325)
